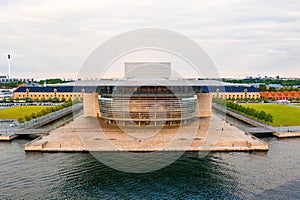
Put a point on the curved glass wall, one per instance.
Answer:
(148, 106)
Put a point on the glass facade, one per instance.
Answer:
(147, 105)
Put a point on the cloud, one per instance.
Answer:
(241, 36)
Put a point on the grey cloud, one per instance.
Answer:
(240, 36)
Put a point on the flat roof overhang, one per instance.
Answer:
(150, 82)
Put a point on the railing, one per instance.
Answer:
(7, 131)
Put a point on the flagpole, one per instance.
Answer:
(8, 61)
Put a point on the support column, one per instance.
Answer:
(91, 105)
(204, 105)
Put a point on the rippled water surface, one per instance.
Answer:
(260, 175)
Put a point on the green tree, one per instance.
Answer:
(44, 112)
(262, 87)
(39, 114)
(55, 100)
(262, 115)
(76, 100)
(21, 120)
(266, 100)
(259, 99)
(27, 118)
(272, 89)
(33, 116)
(56, 108)
(256, 114)
(252, 112)
(268, 118)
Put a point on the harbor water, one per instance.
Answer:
(237, 175)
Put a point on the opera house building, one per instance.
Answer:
(149, 96)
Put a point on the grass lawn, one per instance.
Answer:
(19, 111)
(283, 115)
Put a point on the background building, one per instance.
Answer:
(235, 92)
(50, 92)
(286, 95)
(5, 94)
(5, 79)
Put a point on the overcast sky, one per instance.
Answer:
(242, 37)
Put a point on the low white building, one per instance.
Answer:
(6, 93)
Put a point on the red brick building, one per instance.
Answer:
(286, 95)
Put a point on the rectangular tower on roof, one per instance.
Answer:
(148, 70)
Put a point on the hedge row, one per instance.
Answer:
(46, 111)
(260, 115)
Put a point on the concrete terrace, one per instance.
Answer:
(204, 134)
